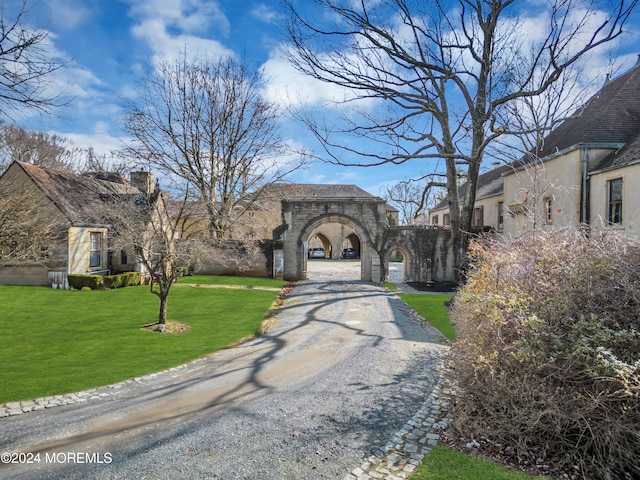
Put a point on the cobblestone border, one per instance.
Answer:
(411, 444)
(408, 447)
(99, 393)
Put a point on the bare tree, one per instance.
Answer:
(205, 123)
(36, 148)
(411, 198)
(26, 61)
(90, 161)
(142, 224)
(27, 224)
(445, 73)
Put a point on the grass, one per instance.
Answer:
(231, 280)
(444, 463)
(60, 341)
(432, 308)
(390, 286)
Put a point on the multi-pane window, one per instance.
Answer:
(500, 215)
(95, 250)
(446, 219)
(615, 202)
(434, 220)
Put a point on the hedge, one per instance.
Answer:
(128, 279)
(94, 282)
(78, 282)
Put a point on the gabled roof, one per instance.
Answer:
(308, 190)
(79, 198)
(627, 155)
(275, 192)
(611, 116)
(489, 185)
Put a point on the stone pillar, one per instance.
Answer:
(376, 272)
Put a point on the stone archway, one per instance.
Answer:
(354, 242)
(335, 226)
(427, 252)
(407, 261)
(361, 219)
(320, 239)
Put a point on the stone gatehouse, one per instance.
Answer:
(362, 224)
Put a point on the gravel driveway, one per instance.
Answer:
(343, 368)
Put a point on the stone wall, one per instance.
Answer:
(427, 252)
(251, 259)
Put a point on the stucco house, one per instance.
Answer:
(587, 171)
(75, 205)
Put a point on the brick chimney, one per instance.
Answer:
(143, 180)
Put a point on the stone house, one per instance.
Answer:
(587, 171)
(75, 205)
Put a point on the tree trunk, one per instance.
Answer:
(162, 314)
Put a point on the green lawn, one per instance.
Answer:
(444, 463)
(432, 308)
(58, 341)
(231, 280)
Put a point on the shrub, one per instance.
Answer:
(93, 282)
(131, 279)
(185, 271)
(548, 352)
(81, 282)
(113, 281)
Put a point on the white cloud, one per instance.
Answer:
(100, 139)
(288, 87)
(265, 13)
(167, 47)
(188, 16)
(170, 26)
(68, 14)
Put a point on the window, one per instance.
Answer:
(615, 202)
(95, 252)
(500, 215)
(548, 210)
(478, 216)
(446, 219)
(434, 220)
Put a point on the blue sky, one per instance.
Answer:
(110, 44)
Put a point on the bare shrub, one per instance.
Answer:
(548, 355)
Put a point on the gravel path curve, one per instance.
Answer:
(341, 371)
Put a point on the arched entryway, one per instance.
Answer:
(349, 222)
(397, 264)
(319, 240)
(351, 247)
(343, 231)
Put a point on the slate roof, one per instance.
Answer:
(308, 190)
(489, 184)
(627, 155)
(79, 198)
(275, 192)
(611, 116)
